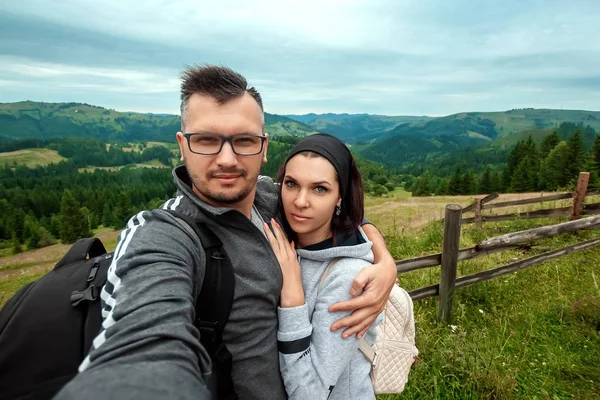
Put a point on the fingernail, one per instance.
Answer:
(360, 336)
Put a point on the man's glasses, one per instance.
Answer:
(210, 143)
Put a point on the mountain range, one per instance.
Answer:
(395, 141)
(37, 120)
(405, 140)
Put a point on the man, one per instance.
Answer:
(149, 347)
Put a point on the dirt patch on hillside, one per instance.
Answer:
(41, 260)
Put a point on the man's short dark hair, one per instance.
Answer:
(221, 83)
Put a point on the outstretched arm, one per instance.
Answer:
(375, 282)
(148, 347)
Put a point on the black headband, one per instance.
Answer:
(334, 150)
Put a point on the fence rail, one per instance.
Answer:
(469, 280)
(577, 208)
(451, 253)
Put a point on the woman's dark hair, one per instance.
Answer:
(352, 212)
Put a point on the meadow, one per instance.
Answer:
(533, 334)
(30, 157)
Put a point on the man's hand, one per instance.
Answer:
(375, 282)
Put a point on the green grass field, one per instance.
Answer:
(528, 335)
(30, 157)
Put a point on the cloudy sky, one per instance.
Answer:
(391, 57)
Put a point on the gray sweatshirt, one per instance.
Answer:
(315, 362)
(148, 347)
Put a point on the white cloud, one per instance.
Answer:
(394, 57)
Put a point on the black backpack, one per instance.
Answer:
(47, 327)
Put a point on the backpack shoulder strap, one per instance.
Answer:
(213, 305)
(326, 272)
(218, 285)
(80, 251)
(367, 350)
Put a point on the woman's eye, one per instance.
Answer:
(321, 189)
(290, 184)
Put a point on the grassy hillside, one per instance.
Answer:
(519, 120)
(28, 119)
(30, 157)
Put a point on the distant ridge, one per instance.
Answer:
(41, 120)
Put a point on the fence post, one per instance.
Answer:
(478, 217)
(579, 198)
(450, 249)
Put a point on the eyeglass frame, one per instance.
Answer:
(226, 138)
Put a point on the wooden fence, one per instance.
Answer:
(451, 253)
(575, 210)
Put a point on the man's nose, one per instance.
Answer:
(226, 157)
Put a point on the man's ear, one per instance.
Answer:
(266, 147)
(181, 141)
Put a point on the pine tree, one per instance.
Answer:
(485, 184)
(72, 222)
(469, 183)
(455, 185)
(534, 160)
(32, 232)
(423, 185)
(419, 188)
(18, 225)
(521, 178)
(514, 159)
(576, 155)
(553, 171)
(16, 246)
(549, 143)
(123, 209)
(442, 187)
(107, 215)
(496, 182)
(592, 167)
(596, 152)
(55, 225)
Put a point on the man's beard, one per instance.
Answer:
(220, 197)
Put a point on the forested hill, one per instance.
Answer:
(37, 120)
(466, 127)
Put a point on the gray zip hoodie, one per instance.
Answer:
(315, 362)
(148, 347)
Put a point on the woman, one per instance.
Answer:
(322, 200)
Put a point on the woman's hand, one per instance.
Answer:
(292, 294)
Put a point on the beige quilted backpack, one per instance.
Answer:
(394, 351)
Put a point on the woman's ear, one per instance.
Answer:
(339, 203)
